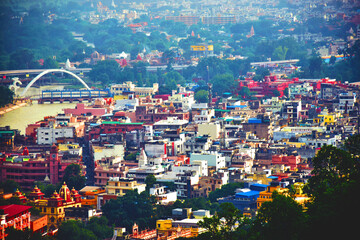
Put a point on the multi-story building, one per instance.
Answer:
(61, 127)
(103, 172)
(113, 127)
(346, 102)
(119, 186)
(14, 216)
(204, 116)
(198, 144)
(185, 182)
(162, 196)
(261, 129)
(291, 161)
(212, 130)
(25, 170)
(246, 197)
(129, 87)
(214, 159)
(266, 195)
(218, 20)
(89, 195)
(140, 173)
(291, 110)
(151, 114)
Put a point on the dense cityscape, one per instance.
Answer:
(179, 119)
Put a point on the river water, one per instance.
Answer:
(21, 117)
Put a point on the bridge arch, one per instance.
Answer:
(51, 71)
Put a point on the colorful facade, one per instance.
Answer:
(15, 216)
(266, 195)
(26, 170)
(54, 207)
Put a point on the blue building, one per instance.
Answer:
(247, 197)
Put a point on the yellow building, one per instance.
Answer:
(165, 228)
(259, 178)
(119, 186)
(128, 87)
(266, 195)
(162, 226)
(299, 196)
(54, 207)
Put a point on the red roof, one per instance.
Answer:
(14, 209)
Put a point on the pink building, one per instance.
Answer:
(291, 161)
(81, 110)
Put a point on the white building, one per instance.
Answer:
(346, 102)
(140, 173)
(183, 100)
(127, 87)
(49, 135)
(170, 123)
(319, 142)
(108, 151)
(214, 159)
(204, 116)
(162, 196)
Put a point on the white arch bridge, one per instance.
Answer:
(51, 71)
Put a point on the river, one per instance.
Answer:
(21, 117)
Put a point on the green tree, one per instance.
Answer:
(73, 177)
(22, 59)
(9, 186)
(315, 66)
(282, 217)
(261, 73)
(100, 228)
(279, 53)
(245, 92)
(26, 234)
(73, 230)
(352, 145)
(223, 83)
(335, 179)
(150, 181)
(202, 96)
(224, 191)
(227, 223)
(6, 96)
(131, 208)
(105, 71)
(276, 93)
(50, 63)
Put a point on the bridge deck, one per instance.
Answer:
(37, 71)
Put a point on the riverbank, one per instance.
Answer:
(12, 106)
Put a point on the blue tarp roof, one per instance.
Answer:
(247, 194)
(236, 106)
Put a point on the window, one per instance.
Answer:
(52, 210)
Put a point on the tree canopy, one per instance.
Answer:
(73, 177)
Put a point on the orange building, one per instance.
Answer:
(266, 196)
(89, 195)
(39, 224)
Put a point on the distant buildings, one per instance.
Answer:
(27, 169)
